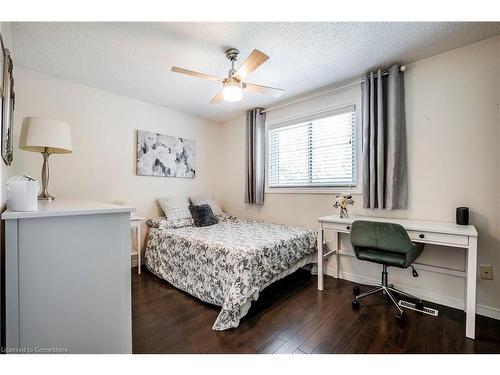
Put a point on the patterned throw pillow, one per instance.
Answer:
(203, 199)
(175, 208)
(203, 215)
(164, 223)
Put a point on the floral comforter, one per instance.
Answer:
(229, 263)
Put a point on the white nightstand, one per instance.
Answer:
(135, 224)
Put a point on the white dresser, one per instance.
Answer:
(67, 278)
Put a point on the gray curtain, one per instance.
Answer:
(384, 140)
(255, 156)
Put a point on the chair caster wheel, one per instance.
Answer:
(355, 290)
(355, 304)
(401, 318)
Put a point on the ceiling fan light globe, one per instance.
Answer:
(232, 92)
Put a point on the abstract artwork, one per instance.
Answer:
(164, 155)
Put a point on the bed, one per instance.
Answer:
(229, 263)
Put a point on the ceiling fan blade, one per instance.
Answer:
(194, 74)
(253, 61)
(264, 90)
(217, 98)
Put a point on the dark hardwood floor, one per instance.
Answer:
(291, 316)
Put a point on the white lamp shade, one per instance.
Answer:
(38, 134)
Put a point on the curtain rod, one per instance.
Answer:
(320, 93)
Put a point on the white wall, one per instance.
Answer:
(103, 127)
(453, 124)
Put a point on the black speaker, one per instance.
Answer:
(463, 215)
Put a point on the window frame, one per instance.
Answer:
(303, 117)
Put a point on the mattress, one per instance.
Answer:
(229, 263)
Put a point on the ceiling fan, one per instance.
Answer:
(233, 85)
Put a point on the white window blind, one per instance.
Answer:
(319, 151)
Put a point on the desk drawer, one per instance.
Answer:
(448, 239)
(428, 237)
(346, 228)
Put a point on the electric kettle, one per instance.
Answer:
(22, 193)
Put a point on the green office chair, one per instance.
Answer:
(387, 244)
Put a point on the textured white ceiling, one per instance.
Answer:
(134, 59)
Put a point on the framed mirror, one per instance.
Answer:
(7, 106)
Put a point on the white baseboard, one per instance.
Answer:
(425, 295)
(133, 261)
(488, 311)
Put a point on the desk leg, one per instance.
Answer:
(336, 247)
(320, 257)
(470, 303)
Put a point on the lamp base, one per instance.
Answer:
(45, 197)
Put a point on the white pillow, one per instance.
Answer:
(175, 208)
(203, 199)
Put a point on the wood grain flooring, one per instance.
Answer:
(291, 316)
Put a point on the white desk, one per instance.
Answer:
(429, 232)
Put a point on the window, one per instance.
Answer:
(319, 151)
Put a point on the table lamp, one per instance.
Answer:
(48, 137)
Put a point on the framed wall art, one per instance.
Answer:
(164, 155)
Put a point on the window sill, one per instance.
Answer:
(312, 190)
